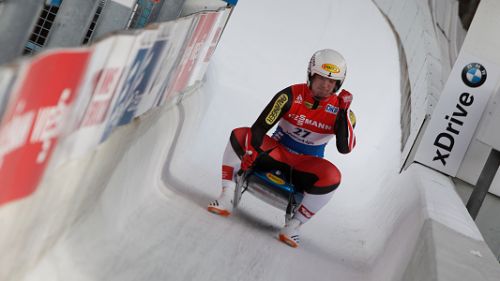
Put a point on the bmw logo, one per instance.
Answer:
(474, 75)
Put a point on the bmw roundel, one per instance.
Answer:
(474, 75)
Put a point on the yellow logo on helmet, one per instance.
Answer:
(331, 68)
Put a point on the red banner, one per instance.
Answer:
(199, 37)
(35, 118)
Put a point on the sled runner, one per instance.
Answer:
(270, 185)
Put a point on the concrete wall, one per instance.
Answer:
(443, 254)
(487, 219)
(449, 247)
(17, 18)
(170, 9)
(71, 23)
(115, 16)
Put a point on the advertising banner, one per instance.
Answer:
(83, 107)
(92, 125)
(34, 119)
(207, 43)
(174, 35)
(134, 80)
(217, 33)
(205, 22)
(93, 75)
(457, 113)
(171, 67)
(143, 98)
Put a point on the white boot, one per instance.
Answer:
(223, 205)
(290, 234)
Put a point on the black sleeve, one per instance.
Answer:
(272, 113)
(342, 132)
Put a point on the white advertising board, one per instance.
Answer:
(202, 37)
(204, 49)
(91, 126)
(458, 111)
(99, 55)
(174, 34)
(133, 82)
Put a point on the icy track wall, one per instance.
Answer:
(430, 36)
(449, 245)
(67, 115)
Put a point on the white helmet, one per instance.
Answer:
(327, 63)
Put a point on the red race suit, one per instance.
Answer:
(305, 126)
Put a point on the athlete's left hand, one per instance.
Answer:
(345, 99)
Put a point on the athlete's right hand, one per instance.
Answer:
(250, 153)
(248, 159)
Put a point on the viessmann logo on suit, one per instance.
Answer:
(456, 115)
